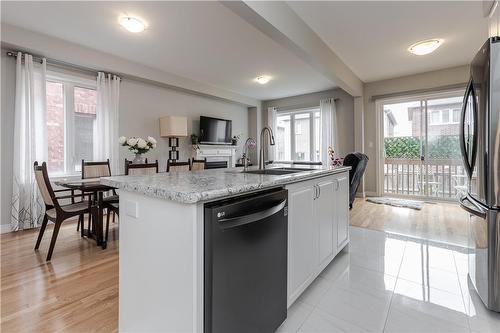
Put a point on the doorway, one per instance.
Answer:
(420, 150)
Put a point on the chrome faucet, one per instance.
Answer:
(262, 163)
(250, 143)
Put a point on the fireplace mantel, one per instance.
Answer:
(218, 153)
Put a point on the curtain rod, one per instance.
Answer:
(304, 106)
(61, 64)
(93, 71)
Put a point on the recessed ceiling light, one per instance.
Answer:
(425, 46)
(263, 79)
(132, 24)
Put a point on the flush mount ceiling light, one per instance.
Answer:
(263, 79)
(425, 46)
(132, 24)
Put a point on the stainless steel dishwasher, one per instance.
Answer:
(245, 262)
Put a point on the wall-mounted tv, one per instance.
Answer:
(214, 131)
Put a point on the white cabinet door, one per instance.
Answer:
(324, 214)
(342, 210)
(302, 239)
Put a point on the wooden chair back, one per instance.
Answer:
(178, 166)
(96, 169)
(142, 169)
(198, 164)
(43, 182)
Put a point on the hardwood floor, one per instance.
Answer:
(443, 222)
(78, 290)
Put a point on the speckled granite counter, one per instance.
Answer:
(195, 186)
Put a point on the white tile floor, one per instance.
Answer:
(392, 283)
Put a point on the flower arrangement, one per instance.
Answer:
(334, 161)
(195, 142)
(138, 145)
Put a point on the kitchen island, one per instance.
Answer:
(161, 286)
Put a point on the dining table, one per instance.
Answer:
(96, 191)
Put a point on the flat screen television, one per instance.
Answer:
(214, 131)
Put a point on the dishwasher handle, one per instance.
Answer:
(237, 221)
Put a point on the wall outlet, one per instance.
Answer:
(130, 208)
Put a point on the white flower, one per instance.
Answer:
(154, 145)
(141, 143)
(132, 142)
(122, 140)
(151, 139)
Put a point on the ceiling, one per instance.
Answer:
(372, 37)
(203, 41)
(207, 42)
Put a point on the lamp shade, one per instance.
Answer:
(173, 126)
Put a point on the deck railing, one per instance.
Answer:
(440, 178)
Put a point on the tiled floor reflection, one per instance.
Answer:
(392, 283)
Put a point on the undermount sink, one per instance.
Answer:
(276, 171)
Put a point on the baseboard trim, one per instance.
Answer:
(370, 194)
(5, 228)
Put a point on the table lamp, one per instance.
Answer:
(173, 127)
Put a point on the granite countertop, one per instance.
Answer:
(194, 186)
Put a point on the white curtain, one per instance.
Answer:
(329, 133)
(30, 141)
(271, 119)
(106, 129)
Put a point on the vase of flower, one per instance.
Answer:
(138, 146)
(139, 159)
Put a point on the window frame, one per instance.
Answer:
(312, 130)
(69, 82)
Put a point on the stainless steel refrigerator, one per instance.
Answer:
(480, 145)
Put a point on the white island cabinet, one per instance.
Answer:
(318, 228)
(161, 274)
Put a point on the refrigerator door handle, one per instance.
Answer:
(469, 165)
(472, 207)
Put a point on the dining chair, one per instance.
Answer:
(54, 210)
(142, 169)
(198, 164)
(178, 166)
(91, 169)
(131, 162)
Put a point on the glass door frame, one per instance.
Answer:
(423, 98)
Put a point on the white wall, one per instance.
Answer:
(141, 105)
(345, 113)
(429, 80)
(494, 24)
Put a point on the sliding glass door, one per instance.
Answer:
(421, 151)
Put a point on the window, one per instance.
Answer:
(71, 115)
(445, 116)
(435, 117)
(298, 135)
(456, 115)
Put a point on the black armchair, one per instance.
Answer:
(357, 162)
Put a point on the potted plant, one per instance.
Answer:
(138, 146)
(234, 140)
(195, 141)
